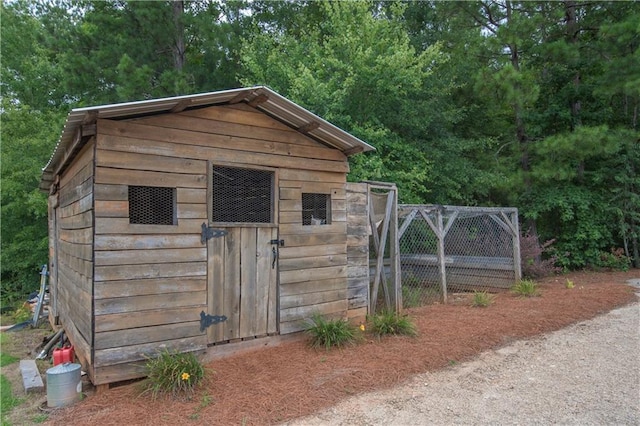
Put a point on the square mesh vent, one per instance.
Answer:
(316, 209)
(152, 205)
(242, 195)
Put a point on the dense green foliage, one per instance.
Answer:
(528, 104)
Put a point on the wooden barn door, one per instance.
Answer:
(242, 265)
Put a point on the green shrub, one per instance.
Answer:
(525, 288)
(481, 299)
(388, 322)
(173, 373)
(328, 333)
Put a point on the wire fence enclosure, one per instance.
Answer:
(446, 249)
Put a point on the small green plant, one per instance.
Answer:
(481, 299)
(388, 322)
(526, 288)
(173, 373)
(569, 283)
(328, 333)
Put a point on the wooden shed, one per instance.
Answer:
(193, 221)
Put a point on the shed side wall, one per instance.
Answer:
(74, 283)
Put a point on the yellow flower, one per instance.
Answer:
(362, 327)
(185, 376)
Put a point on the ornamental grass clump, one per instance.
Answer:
(388, 322)
(526, 288)
(329, 333)
(173, 373)
(481, 299)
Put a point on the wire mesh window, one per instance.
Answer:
(152, 205)
(316, 209)
(242, 195)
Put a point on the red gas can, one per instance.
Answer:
(62, 355)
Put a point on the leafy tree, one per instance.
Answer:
(24, 246)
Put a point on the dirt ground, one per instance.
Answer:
(277, 384)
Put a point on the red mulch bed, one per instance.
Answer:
(275, 384)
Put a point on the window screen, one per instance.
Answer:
(316, 209)
(242, 195)
(151, 205)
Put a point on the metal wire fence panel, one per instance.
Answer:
(456, 249)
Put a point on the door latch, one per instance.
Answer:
(277, 242)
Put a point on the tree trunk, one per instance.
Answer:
(178, 47)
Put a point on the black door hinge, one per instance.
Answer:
(206, 320)
(209, 233)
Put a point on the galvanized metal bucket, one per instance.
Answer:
(64, 385)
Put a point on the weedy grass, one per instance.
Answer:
(391, 323)
(330, 333)
(481, 299)
(569, 284)
(173, 374)
(526, 288)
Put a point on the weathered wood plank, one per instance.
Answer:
(248, 285)
(290, 193)
(300, 229)
(76, 236)
(138, 336)
(72, 193)
(119, 372)
(147, 318)
(313, 286)
(150, 162)
(147, 178)
(232, 284)
(264, 277)
(82, 161)
(192, 211)
(216, 287)
(287, 277)
(105, 192)
(228, 151)
(142, 287)
(319, 261)
(112, 208)
(236, 132)
(292, 240)
(80, 205)
(302, 312)
(123, 354)
(157, 270)
(79, 221)
(146, 242)
(120, 305)
(192, 195)
(137, 257)
(119, 226)
(309, 251)
(309, 299)
(292, 206)
(311, 176)
(232, 115)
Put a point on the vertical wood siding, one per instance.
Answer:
(358, 248)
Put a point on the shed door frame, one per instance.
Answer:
(242, 270)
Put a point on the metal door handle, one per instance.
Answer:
(274, 255)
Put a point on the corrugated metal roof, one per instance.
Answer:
(270, 103)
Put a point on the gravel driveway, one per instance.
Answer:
(585, 374)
